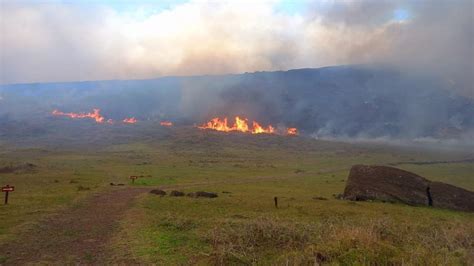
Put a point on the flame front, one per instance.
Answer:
(258, 129)
(292, 131)
(240, 124)
(94, 115)
(166, 123)
(131, 120)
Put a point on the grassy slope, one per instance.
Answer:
(243, 226)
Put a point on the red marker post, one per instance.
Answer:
(7, 189)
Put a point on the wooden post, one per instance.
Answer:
(7, 189)
(276, 202)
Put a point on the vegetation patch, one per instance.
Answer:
(379, 241)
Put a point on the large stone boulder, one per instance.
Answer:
(383, 183)
(451, 197)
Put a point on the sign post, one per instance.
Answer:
(7, 189)
(133, 177)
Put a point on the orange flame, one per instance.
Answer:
(130, 120)
(166, 123)
(292, 131)
(94, 115)
(257, 129)
(240, 124)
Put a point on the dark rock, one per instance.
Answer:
(451, 197)
(158, 192)
(390, 184)
(118, 184)
(386, 184)
(176, 193)
(202, 194)
(338, 196)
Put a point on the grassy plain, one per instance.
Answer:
(241, 226)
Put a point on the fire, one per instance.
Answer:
(130, 120)
(240, 124)
(292, 131)
(166, 123)
(257, 129)
(94, 115)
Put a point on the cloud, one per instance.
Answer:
(65, 42)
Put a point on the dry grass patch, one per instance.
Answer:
(245, 241)
(377, 241)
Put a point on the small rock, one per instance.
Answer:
(338, 196)
(158, 192)
(203, 194)
(176, 193)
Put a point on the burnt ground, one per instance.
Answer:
(76, 235)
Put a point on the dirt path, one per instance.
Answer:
(75, 235)
(80, 234)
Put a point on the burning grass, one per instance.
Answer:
(166, 123)
(131, 120)
(243, 125)
(95, 115)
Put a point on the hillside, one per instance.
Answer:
(342, 101)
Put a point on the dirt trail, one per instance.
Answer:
(75, 235)
(80, 234)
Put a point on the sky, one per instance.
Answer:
(49, 41)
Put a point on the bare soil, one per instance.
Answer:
(76, 235)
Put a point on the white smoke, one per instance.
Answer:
(63, 41)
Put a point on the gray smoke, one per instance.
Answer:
(56, 41)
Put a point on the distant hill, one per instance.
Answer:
(340, 101)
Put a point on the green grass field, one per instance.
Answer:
(242, 226)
